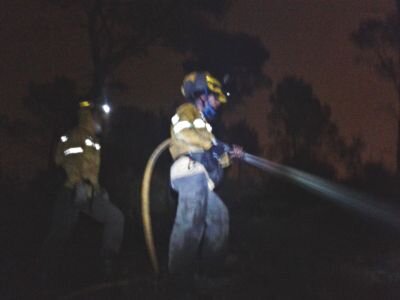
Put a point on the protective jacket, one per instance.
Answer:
(78, 153)
(191, 136)
(190, 132)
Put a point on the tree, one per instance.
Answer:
(241, 133)
(127, 148)
(379, 42)
(300, 117)
(236, 57)
(52, 101)
(119, 29)
(301, 128)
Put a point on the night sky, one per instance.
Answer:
(306, 38)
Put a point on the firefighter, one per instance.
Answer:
(200, 231)
(78, 154)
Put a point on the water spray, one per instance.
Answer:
(334, 192)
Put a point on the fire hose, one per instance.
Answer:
(337, 193)
(146, 218)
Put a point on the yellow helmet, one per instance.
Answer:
(85, 104)
(197, 83)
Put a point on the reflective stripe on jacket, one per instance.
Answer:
(190, 131)
(78, 153)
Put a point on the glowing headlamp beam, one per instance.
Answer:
(336, 193)
(106, 108)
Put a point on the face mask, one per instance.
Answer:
(209, 112)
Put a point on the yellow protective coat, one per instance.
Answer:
(185, 135)
(78, 153)
(191, 133)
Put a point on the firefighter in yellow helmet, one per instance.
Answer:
(78, 153)
(201, 226)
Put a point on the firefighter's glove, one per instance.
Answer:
(218, 150)
(236, 152)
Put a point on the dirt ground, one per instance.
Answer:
(277, 251)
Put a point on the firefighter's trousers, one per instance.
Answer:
(200, 232)
(65, 216)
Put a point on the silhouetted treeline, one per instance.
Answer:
(304, 135)
(378, 40)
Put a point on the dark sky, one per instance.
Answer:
(307, 38)
(310, 38)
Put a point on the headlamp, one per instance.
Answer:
(106, 108)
